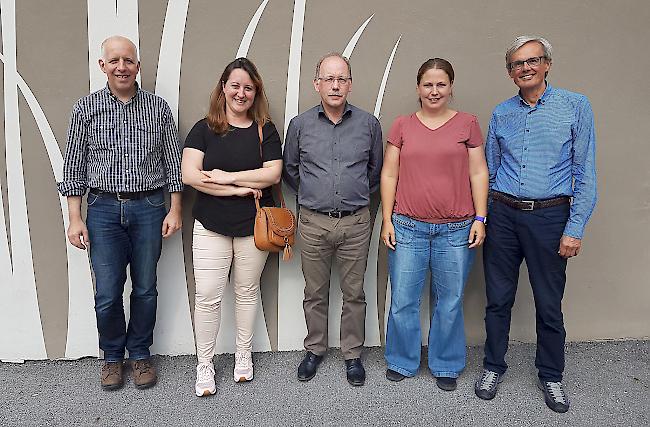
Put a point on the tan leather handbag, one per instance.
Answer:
(275, 228)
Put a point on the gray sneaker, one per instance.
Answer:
(486, 385)
(554, 395)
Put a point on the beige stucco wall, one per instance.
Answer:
(600, 51)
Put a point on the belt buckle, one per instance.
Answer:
(119, 197)
(334, 214)
(530, 207)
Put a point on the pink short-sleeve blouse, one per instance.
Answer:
(433, 184)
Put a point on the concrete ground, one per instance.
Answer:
(608, 384)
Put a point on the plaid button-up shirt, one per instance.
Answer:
(115, 146)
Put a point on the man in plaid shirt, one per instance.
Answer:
(123, 148)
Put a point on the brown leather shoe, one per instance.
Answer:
(144, 374)
(112, 378)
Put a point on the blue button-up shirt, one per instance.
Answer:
(546, 151)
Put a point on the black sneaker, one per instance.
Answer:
(486, 385)
(446, 383)
(554, 395)
(394, 375)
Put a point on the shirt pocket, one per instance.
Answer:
(102, 136)
(149, 137)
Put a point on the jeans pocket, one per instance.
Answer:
(404, 228)
(156, 199)
(458, 232)
(91, 199)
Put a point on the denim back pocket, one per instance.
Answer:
(458, 232)
(404, 228)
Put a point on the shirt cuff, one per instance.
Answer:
(72, 188)
(574, 230)
(175, 187)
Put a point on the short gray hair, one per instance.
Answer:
(522, 40)
(333, 55)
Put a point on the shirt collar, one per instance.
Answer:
(542, 99)
(112, 95)
(348, 109)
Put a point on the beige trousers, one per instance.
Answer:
(347, 240)
(214, 255)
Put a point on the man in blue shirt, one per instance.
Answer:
(541, 156)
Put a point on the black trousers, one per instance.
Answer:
(512, 236)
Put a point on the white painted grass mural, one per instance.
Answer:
(18, 298)
(19, 339)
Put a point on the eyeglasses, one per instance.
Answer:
(340, 80)
(532, 62)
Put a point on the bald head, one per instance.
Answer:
(120, 41)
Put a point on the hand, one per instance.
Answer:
(217, 176)
(172, 223)
(569, 247)
(388, 234)
(78, 234)
(246, 191)
(476, 234)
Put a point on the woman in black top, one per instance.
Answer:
(230, 165)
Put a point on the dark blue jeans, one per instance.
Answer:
(125, 233)
(512, 236)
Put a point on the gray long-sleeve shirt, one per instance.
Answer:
(333, 166)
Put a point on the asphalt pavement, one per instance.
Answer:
(608, 384)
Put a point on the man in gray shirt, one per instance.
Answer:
(332, 159)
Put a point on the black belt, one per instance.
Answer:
(529, 205)
(337, 214)
(124, 195)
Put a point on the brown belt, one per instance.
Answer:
(529, 205)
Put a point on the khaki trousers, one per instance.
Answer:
(347, 240)
(214, 255)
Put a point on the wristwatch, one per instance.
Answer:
(482, 219)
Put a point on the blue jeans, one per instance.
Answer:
(125, 233)
(443, 250)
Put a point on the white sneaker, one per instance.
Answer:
(243, 366)
(205, 385)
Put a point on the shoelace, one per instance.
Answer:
(556, 391)
(143, 367)
(488, 380)
(204, 372)
(111, 369)
(242, 359)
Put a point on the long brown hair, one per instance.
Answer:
(259, 112)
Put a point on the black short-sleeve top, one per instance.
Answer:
(236, 150)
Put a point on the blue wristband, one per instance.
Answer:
(482, 219)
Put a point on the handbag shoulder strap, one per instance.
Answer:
(277, 187)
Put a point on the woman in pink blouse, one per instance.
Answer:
(434, 186)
